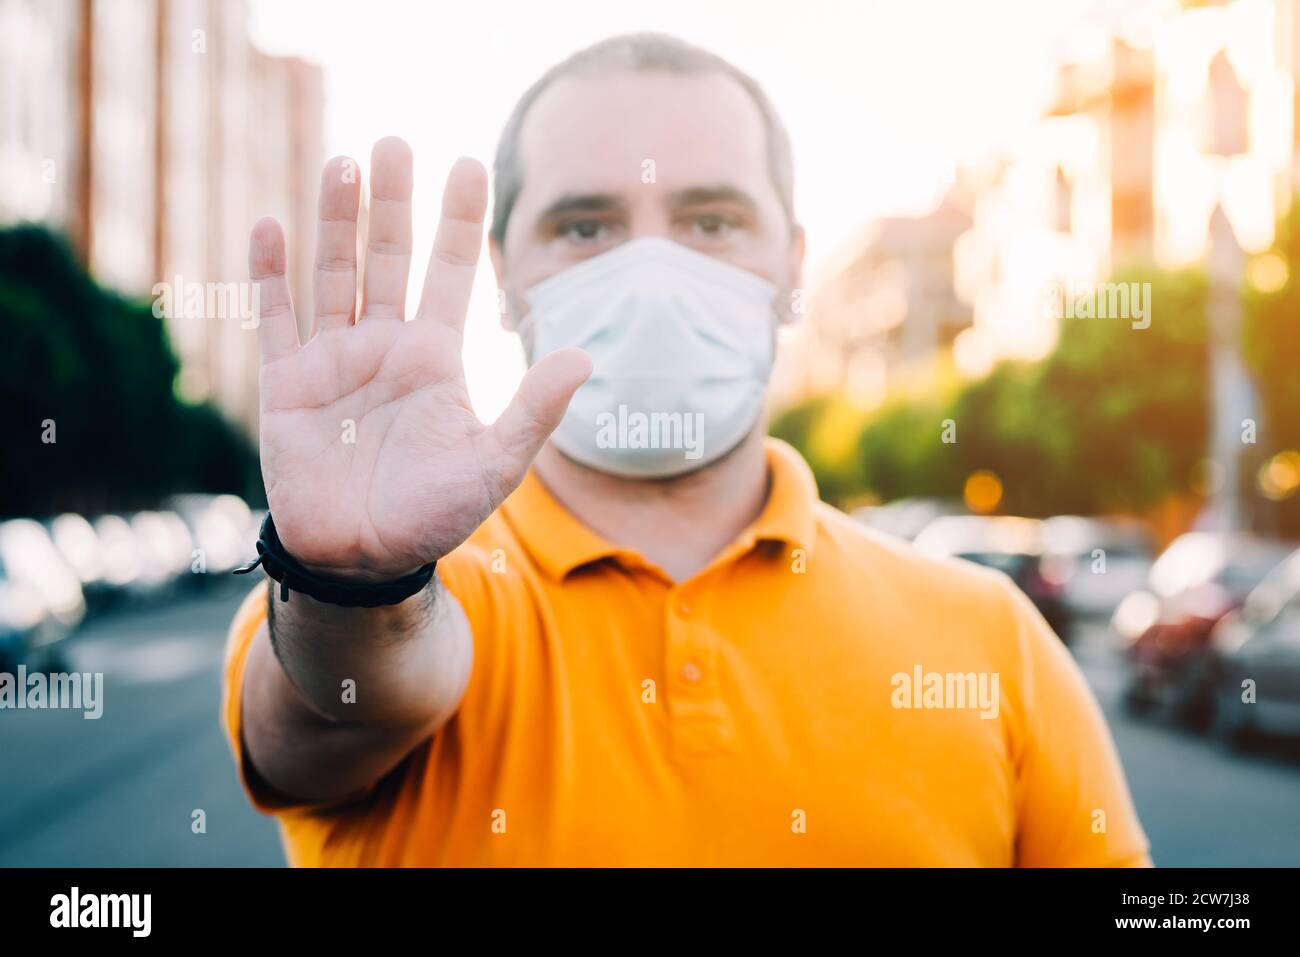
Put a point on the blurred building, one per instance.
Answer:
(1151, 132)
(883, 302)
(42, 113)
(155, 134)
(1071, 197)
(1154, 125)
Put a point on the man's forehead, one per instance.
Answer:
(599, 132)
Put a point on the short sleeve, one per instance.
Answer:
(1073, 802)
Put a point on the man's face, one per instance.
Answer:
(615, 157)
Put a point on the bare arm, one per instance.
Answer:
(374, 465)
(335, 697)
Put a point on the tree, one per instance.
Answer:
(91, 421)
(1114, 419)
(1271, 342)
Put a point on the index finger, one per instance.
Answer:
(277, 330)
(388, 239)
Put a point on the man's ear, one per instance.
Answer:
(792, 311)
(508, 322)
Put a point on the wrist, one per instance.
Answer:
(358, 573)
(363, 588)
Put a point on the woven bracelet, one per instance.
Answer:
(285, 569)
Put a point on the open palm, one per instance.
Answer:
(373, 459)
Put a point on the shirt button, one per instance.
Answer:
(691, 672)
(683, 608)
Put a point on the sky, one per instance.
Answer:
(882, 98)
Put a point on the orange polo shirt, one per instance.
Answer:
(819, 695)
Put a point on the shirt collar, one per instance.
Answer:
(559, 542)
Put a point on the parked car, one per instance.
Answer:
(81, 550)
(1097, 562)
(907, 517)
(124, 556)
(1258, 648)
(21, 618)
(1015, 546)
(222, 526)
(167, 546)
(1199, 578)
(34, 567)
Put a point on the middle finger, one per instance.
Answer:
(388, 240)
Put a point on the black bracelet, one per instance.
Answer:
(286, 570)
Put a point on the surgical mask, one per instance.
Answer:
(682, 348)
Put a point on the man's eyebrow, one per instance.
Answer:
(581, 203)
(700, 195)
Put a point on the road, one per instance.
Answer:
(1201, 804)
(122, 790)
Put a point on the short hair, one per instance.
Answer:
(636, 53)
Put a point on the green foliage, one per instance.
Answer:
(900, 453)
(818, 428)
(1114, 419)
(101, 369)
(1271, 342)
(1124, 412)
(1010, 425)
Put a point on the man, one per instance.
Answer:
(645, 641)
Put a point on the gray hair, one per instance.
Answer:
(636, 52)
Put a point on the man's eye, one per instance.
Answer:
(583, 230)
(713, 226)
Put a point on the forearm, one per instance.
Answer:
(334, 697)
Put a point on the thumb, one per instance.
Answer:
(538, 406)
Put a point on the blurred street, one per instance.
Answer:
(121, 790)
(1201, 804)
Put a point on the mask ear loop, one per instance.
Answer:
(525, 327)
(787, 316)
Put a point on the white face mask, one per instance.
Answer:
(682, 348)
